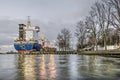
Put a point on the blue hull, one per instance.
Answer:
(28, 47)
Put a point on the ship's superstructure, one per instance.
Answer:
(28, 38)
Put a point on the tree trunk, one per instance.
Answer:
(105, 45)
(96, 45)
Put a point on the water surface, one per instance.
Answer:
(58, 67)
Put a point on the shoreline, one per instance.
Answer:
(100, 52)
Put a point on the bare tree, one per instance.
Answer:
(103, 14)
(115, 13)
(115, 18)
(59, 41)
(81, 34)
(91, 26)
(64, 39)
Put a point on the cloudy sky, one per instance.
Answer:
(50, 15)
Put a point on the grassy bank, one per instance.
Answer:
(100, 52)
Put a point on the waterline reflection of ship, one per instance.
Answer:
(47, 68)
(52, 67)
(27, 65)
(42, 68)
(37, 67)
(28, 38)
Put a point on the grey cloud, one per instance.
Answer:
(50, 15)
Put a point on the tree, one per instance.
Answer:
(91, 26)
(63, 39)
(115, 13)
(60, 41)
(103, 15)
(115, 18)
(81, 34)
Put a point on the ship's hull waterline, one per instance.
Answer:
(27, 47)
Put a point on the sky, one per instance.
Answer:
(50, 15)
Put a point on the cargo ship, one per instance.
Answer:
(28, 38)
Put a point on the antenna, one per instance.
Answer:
(28, 22)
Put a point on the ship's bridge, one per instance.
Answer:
(36, 28)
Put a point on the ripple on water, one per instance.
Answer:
(58, 67)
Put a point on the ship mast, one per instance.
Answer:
(43, 41)
(28, 22)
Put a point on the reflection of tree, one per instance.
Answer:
(107, 67)
(88, 65)
(63, 64)
(97, 66)
(92, 62)
(82, 65)
(83, 59)
(73, 67)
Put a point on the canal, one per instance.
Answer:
(58, 67)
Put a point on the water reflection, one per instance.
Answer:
(98, 67)
(73, 68)
(63, 67)
(52, 67)
(28, 66)
(42, 68)
(58, 67)
(33, 68)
